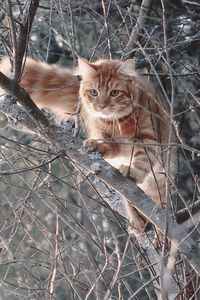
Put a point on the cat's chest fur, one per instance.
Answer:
(121, 129)
(121, 132)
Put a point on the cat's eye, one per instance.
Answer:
(114, 93)
(93, 92)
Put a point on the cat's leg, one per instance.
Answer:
(148, 171)
(141, 163)
(154, 185)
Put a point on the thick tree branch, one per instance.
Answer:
(23, 98)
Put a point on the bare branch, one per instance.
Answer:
(23, 98)
(20, 39)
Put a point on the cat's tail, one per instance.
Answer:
(49, 86)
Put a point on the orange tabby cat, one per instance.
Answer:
(127, 123)
(123, 117)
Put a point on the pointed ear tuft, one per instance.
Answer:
(85, 68)
(128, 68)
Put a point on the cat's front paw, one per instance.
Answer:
(124, 170)
(127, 171)
(97, 146)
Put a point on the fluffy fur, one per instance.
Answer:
(126, 122)
(49, 86)
(123, 117)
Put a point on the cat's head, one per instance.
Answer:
(104, 87)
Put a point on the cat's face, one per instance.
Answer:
(104, 91)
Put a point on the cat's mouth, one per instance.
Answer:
(112, 114)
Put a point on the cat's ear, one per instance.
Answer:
(85, 68)
(128, 68)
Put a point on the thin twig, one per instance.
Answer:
(56, 254)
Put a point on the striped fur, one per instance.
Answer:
(49, 86)
(132, 125)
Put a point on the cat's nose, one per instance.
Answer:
(102, 105)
